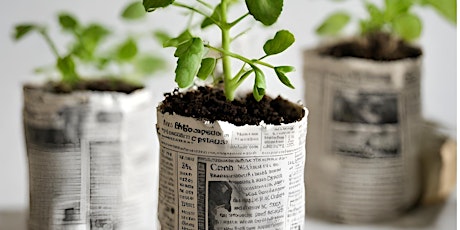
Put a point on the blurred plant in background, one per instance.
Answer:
(395, 17)
(98, 51)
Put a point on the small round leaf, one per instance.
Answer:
(151, 5)
(333, 24)
(68, 22)
(207, 68)
(21, 30)
(133, 11)
(408, 26)
(127, 50)
(265, 11)
(282, 40)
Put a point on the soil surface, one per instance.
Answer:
(376, 46)
(210, 104)
(107, 84)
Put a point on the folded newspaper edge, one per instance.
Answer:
(215, 175)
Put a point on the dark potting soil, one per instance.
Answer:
(375, 46)
(106, 84)
(210, 104)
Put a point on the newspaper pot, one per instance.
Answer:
(91, 159)
(362, 161)
(216, 175)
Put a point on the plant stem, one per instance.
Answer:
(229, 89)
(50, 42)
(238, 20)
(197, 11)
(209, 6)
(234, 55)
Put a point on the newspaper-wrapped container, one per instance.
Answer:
(221, 176)
(362, 159)
(91, 160)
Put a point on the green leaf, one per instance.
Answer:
(134, 10)
(447, 8)
(333, 24)
(66, 66)
(175, 42)
(151, 5)
(407, 26)
(282, 40)
(68, 22)
(376, 19)
(395, 8)
(94, 33)
(207, 67)
(259, 84)
(189, 61)
(214, 17)
(183, 48)
(89, 40)
(265, 11)
(149, 64)
(377, 15)
(23, 29)
(281, 73)
(127, 50)
(161, 36)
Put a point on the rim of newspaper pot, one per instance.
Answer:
(198, 165)
(322, 191)
(113, 133)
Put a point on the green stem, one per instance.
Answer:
(238, 20)
(237, 56)
(197, 11)
(209, 6)
(243, 77)
(50, 42)
(229, 89)
(241, 34)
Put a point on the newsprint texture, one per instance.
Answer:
(216, 176)
(91, 160)
(362, 157)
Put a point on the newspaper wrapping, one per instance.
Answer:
(91, 160)
(221, 176)
(362, 160)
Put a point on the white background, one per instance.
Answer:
(17, 61)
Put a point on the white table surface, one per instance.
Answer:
(435, 217)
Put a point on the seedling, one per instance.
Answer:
(85, 49)
(191, 50)
(395, 17)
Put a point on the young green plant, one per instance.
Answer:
(191, 50)
(395, 17)
(86, 48)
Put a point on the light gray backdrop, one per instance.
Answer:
(17, 61)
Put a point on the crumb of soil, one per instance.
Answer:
(107, 84)
(375, 46)
(210, 104)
